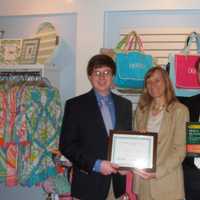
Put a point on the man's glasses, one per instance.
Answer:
(100, 74)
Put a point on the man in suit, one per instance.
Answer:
(85, 133)
(191, 165)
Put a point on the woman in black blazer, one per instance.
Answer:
(192, 171)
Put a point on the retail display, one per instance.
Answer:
(132, 63)
(37, 49)
(31, 118)
(48, 42)
(182, 69)
(29, 51)
(10, 50)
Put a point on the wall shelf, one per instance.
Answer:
(49, 71)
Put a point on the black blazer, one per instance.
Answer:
(84, 140)
(193, 104)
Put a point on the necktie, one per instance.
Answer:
(106, 115)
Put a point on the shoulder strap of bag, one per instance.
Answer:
(193, 36)
(129, 42)
(130, 195)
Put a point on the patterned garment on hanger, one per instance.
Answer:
(3, 113)
(11, 146)
(30, 122)
(43, 123)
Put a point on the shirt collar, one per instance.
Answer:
(107, 98)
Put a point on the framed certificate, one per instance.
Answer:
(130, 149)
(193, 138)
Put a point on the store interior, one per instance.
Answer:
(83, 28)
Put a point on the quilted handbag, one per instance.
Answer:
(132, 63)
(183, 71)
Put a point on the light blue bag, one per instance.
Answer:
(181, 91)
(132, 64)
(131, 69)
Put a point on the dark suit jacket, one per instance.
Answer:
(191, 172)
(193, 104)
(84, 140)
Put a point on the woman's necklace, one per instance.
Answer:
(157, 108)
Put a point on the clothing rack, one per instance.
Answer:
(31, 115)
(21, 73)
(20, 76)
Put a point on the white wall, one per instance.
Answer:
(90, 21)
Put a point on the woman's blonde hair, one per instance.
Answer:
(146, 99)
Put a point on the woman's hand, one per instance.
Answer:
(144, 174)
(108, 168)
(142, 131)
(123, 172)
